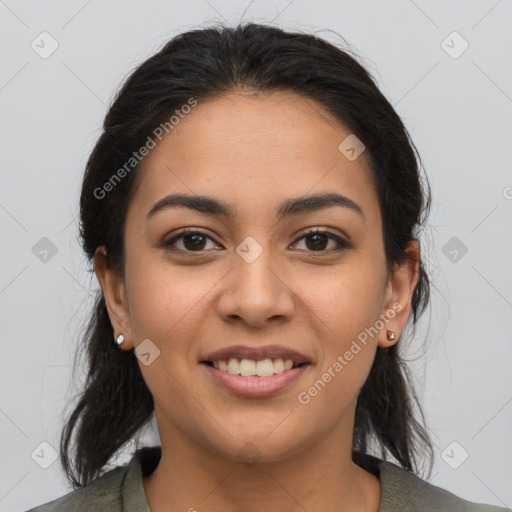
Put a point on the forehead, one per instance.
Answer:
(252, 151)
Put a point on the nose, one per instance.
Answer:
(255, 291)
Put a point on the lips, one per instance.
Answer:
(256, 354)
(255, 371)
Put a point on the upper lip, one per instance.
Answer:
(257, 353)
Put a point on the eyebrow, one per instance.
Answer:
(211, 206)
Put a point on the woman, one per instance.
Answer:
(252, 210)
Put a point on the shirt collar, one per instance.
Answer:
(145, 460)
(143, 463)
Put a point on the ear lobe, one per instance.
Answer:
(399, 291)
(113, 288)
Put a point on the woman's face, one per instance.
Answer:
(255, 278)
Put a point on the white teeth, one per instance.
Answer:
(279, 365)
(264, 368)
(249, 367)
(234, 366)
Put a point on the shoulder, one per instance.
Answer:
(407, 492)
(118, 490)
(104, 493)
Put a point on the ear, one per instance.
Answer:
(115, 298)
(398, 295)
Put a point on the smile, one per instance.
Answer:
(253, 378)
(250, 367)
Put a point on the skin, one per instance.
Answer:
(254, 151)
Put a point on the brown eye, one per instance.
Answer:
(317, 239)
(192, 241)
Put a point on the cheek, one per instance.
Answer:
(344, 303)
(163, 302)
(347, 307)
(330, 392)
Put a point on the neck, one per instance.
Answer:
(321, 477)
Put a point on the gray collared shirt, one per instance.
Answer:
(121, 490)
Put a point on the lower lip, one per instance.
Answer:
(254, 385)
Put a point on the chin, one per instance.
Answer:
(258, 447)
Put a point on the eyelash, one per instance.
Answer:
(343, 244)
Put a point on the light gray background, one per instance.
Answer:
(458, 111)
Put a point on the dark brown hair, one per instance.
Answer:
(203, 64)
